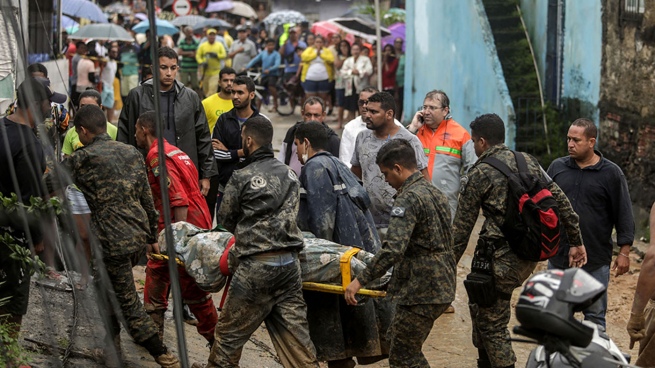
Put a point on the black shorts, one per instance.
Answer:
(269, 80)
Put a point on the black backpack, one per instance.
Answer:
(531, 225)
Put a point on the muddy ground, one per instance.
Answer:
(47, 328)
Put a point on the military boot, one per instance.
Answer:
(168, 360)
(158, 317)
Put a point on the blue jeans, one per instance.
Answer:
(596, 312)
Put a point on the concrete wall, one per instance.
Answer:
(450, 47)
(582, 53)
(535, 16)
(627, 113)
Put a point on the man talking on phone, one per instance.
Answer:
(447, 145)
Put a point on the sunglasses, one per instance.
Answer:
(362, 102)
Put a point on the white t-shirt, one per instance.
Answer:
(108, 73)
(317, 70)
(348, 137)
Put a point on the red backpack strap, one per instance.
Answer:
(223, 265)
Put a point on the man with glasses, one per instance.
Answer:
(355, 126)
(447, 145)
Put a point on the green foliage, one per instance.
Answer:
(23, 255)
(11, 353)
(387, 17)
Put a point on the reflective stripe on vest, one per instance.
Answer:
(449, 151)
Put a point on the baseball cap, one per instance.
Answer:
(211, 30)
(30, 91)
(242, 28)
(52, 95)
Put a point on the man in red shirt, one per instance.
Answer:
(187, 204)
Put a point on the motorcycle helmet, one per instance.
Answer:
(550, 298)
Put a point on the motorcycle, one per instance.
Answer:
(545, 311)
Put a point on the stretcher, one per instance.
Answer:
(346, 276)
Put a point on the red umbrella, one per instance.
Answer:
(326, 28)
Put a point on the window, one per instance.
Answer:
(631, 12)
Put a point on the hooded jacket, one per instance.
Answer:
(192, 132)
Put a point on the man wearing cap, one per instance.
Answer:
(211, 56)
(242, 50)
(289, 54)
(22, 163)
(188, 66)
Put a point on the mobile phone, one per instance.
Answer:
(420, 119)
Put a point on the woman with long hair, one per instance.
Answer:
(343, 52)
(389, 68)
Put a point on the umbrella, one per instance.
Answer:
(163, 27)
(141, 16)
(118, 8)
(219, 6)
(242, 9)
(211, 23)
(188, 20)
(105, 31)
(325, 28)
(83, 9)
(397, 31)
(359, 27)
(283, 17)
(70, 25)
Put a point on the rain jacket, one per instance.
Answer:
(192, 132)
(450, 154)
(334, 206)
(310, 54)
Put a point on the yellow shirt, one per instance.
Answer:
(72, 140)
(213, 63)
(214, 106)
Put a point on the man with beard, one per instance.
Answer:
(184, 123)
(226, 138)
(215, 105)
(379, 118)
(260, 209)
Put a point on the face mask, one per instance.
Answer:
(305, 156)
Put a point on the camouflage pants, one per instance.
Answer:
(489, 330)
(273, 294)
(409, 329)
(117, 293)
(646, 356)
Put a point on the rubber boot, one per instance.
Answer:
(158, 317)
(483, 359)
(189, 318)
(168, 360)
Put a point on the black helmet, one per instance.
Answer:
(550, 298)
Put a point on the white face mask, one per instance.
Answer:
(305, 156)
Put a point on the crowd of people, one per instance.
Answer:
(410, 195)
(304, 63)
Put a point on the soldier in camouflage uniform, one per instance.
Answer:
(420, 247)
(260, 206)
(487, 187)
(112, 177)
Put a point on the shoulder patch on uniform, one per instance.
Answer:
(462, 183)
(155, 171)
(257, 182)
(398, 212)
(292, 175)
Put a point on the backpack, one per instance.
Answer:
(531, 225)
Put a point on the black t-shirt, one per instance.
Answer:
(22, 164)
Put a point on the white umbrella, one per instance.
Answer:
(103, 31)
(242, 9)
(188, 20)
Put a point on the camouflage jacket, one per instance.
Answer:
(112, 177)
(418, 245)
(487, 187)
(260, 206)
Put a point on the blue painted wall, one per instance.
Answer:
(582, 47)
(583, 42)
(450, 47)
